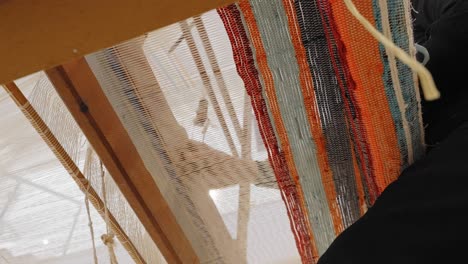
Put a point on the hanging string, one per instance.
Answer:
(91, 229)
(85, 186)
(394, 73)
(108, 238)
(427, 82)
(90, 221)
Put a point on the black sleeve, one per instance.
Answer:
(448, 49)
(425, 13)
(420, 218)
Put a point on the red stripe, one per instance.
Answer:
(245, 64)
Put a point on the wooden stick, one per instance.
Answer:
(41, 127)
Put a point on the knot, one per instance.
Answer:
(107, 239)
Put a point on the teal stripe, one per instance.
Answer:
(400, 37)
(273, 26)
(396, 12)
(391, 93)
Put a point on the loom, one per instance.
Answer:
(218, 132)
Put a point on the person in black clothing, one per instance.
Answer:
(426, 13)
(423, 216)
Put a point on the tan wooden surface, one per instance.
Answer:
(37, 35)
(85, 99)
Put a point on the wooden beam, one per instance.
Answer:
(37, 35)
(82, 94)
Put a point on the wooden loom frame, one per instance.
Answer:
(35, 40)
(77, 86)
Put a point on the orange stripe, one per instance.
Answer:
(263, 67)
(310, 103)
(363, 58)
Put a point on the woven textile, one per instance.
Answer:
(291, 107)
(269, 126)
(246, 67)
(190, 113)
(346, 113)
(330, 108)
